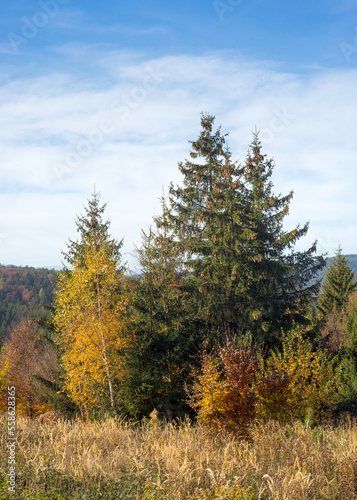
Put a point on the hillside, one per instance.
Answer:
(23, 291)
(352, 260)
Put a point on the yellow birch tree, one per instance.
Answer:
(91, 316)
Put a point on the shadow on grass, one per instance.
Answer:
(51, 484)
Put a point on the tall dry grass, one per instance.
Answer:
(113, 459)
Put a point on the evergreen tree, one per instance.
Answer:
(280, 278)
(157, 361)
(244, 275)
(348, 351)
(338, 285)
(208, 216)
(93, 231)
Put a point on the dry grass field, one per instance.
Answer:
(116, 460)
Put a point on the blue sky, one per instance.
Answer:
(110, 93)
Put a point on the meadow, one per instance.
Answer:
(114, 459)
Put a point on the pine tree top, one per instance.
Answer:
(93, 231)
(338, 285)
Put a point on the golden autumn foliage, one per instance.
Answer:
(310, 389)
(91, 319)
(223, 392)
(238, 387)
(273, 390)
(208, 391)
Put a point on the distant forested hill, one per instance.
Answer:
(23, 290)
(352, 260)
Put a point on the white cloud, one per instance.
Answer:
(151, 109)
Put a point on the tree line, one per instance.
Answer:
(225, 319)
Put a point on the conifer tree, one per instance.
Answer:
(280, 278)
(157, 361)
(91, 313)
(338, 285)
(244, 275)
(347, 369)
(208, 216)
(93, 232)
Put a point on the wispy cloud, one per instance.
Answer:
(45, 117)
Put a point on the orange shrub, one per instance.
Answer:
(24, 356)
(223, 392)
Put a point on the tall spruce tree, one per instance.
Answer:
(338, 285)
(244, 275)
(158, 361)
(208, 215)
(280, 278)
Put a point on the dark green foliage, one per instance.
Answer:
(280, 278)
(204, 214)
(217, 264)
(338, 285)
(244, 276)
(352, 262)
(92, 230)
(210, 218)
(157, 363)
(348, 353)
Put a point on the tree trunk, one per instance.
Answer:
(104, 355)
